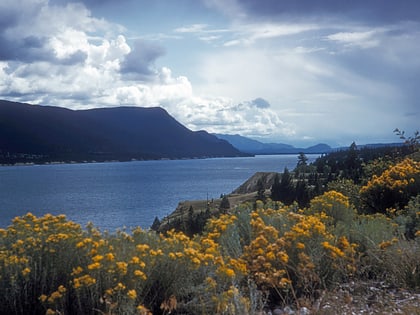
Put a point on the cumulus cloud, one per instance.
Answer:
(36, 31)
(139, 62)
(260, 103)
(61, 55)
(223, 115)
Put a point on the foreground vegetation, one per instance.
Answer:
(255, 257)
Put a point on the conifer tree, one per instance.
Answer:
(260, 190)
(275, 188)
(224, 204)
(287, 191)
(283, 190)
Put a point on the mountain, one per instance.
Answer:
(256, 147)
(45, 133)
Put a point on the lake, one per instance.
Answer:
(125, 194)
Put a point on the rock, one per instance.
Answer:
(288, 311)
(278, 311)
(304, 311)
(251, 185)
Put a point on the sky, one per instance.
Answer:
(296, 72)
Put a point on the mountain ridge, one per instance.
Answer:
(252, 146)
(40, 133)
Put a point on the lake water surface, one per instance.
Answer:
(117, 195)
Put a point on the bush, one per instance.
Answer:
(51, 265)
(348, 188)
(335, 205)
(393, 188)
(409, 218)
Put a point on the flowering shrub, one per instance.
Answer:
(51, 265)
(295, 255)
(335, 205)
(393, 188)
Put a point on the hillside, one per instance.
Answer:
(251, 146)
(45, 133)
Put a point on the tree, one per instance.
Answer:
(283, 190)
(302, 192)
(412, 141)
(260, 190)
(287, 190)
(224, 204)
(275, 188)
(302, 163)
(352, 164)
(190, 226)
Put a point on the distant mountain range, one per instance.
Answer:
(45, 133)
(251, 146)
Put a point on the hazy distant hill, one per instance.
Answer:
(256, 147)
(48, 133)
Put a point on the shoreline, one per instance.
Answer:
(125, 161)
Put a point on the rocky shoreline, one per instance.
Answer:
(246, 192)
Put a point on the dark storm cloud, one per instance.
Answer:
(372, 11)
(140, 61)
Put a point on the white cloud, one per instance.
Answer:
(202, 32)
(364, 39)
(273, 30)
(249, 34)
(194, 28)
(210, 38)
(71, 33)
(223, 115)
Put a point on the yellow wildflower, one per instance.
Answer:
(120, 286)
(300, 245)
(77, 271)
(122, 267)
(43, 298)
(26, 271)
(109, 256)
(93, 266)
(132, 294)
(62, 289)
(140, 274)
(97, 258)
